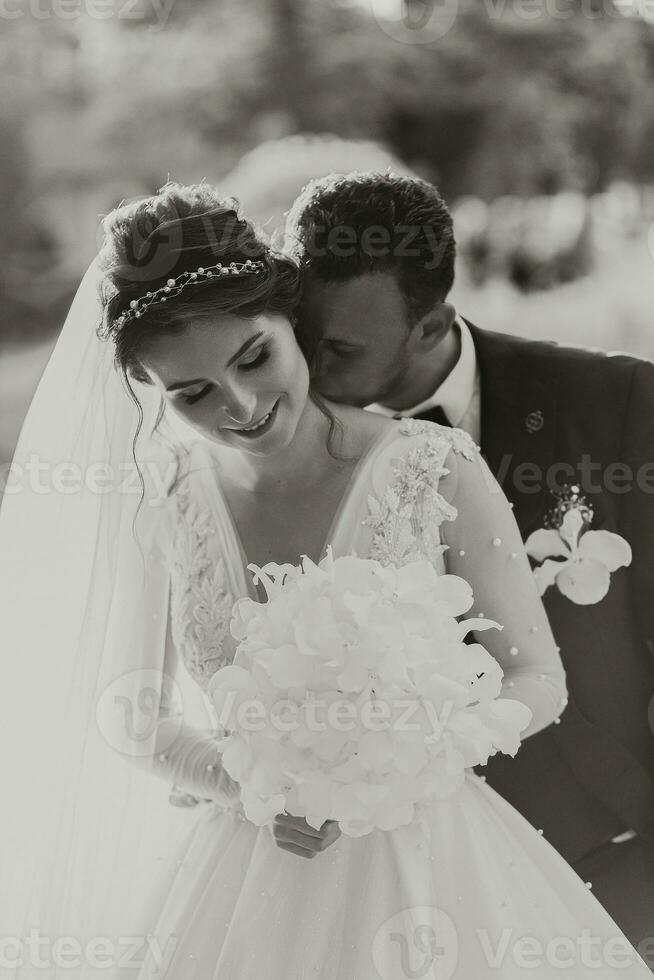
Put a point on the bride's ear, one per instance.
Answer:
(432, 328)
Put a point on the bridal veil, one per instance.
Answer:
(83, 824)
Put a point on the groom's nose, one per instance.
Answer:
(326, 362)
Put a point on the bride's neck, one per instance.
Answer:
(299, 465)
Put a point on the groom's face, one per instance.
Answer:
(361, 327)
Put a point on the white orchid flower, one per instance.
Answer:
(589, 557)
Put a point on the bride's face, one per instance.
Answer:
(240, 382)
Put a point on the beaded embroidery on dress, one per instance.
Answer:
(405, 521)
(407, 518)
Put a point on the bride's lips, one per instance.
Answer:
(254, 433)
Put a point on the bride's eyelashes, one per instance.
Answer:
(257, 359)
(192, 399)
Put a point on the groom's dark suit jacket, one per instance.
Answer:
(591, 776)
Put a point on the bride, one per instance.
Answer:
(161, 457)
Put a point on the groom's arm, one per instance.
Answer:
(637, 507)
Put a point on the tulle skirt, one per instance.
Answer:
(472, 892)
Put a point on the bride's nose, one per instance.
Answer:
(240, 407)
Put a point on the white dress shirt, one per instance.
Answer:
(459, 395)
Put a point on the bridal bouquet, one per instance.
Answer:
(353, 696)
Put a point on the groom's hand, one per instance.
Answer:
(296, 835)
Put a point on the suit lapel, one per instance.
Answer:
(518, 422)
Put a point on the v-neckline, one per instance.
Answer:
(252, 590)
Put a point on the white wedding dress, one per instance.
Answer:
(474, 892)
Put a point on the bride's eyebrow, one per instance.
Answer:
(183, 384)
(176, 385)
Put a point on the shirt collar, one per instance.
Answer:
(455, 393)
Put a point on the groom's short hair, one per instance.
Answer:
(346, 225)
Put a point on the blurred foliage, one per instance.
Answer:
(96, 111)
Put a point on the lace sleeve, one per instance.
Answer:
(182, 754)
(485, 547)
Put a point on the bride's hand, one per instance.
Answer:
(296, 835)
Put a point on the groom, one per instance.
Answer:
(378, 251)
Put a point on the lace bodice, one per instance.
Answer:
(405, 519)
(423, 492)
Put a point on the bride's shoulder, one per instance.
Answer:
(363, 430)
(357, 430)
(433, 435)
(359, 421)
(422, 454)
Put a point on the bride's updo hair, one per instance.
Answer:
(180, 229)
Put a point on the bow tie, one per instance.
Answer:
(436, 414)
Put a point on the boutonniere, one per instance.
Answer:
(579, 561)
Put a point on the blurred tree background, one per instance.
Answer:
(537, 124)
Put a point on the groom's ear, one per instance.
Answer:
(432, 328)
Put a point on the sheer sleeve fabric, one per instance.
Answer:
(183, 754)
(485, 547)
